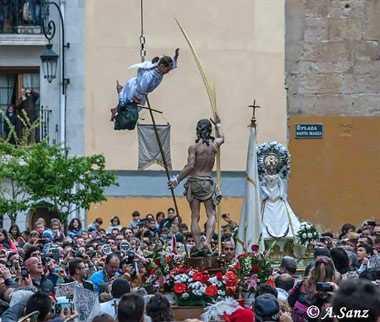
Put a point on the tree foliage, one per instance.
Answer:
(39, 172)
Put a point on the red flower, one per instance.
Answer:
(256, 268)
(271, 282)
(243, 255)
(179, 288)
(230, 275)
(265, 252)
(168, 259)
(219, 276)
(211, 290)
(205, 279)
(157, 261)
(231, 286)
(237, 266)
(255, 248)
(197, 276)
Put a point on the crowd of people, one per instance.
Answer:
(114, 262)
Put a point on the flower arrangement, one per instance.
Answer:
(254, 268)
(307, 233)
(193, 287)
(161, 266)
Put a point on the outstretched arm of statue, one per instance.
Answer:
(186, 170)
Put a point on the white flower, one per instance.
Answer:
(304, 235)
(315, 234)
(185, 295)
(191, 273)
(220, 292)
(190, 280)
(203, 289)
(213, 280)
(310, 235)
(308, 227)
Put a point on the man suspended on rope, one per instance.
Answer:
(149, 76)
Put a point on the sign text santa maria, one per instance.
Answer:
(309, 131)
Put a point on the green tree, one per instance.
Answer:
(39, 172)
(68, 183)
(14, 196)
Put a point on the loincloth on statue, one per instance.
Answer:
(202, 188)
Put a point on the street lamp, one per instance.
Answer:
(50, 58)
(49, 63)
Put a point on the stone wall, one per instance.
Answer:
(332, 57)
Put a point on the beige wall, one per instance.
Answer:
(241, 45)
(335, 180)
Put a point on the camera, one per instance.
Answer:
(371, 223)
(324, 287)
(78, 254)
(131, 257)
(43, 241)
(63, 304)
(106, 249)
(24, 272)
(16, 265)
(322, 239)
(124, 246)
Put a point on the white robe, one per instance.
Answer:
(147, 80)
(279, 219)
(109, 307)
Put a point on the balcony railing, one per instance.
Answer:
(39, 133)
(21, 16)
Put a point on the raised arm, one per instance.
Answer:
(186, 170)
(219, 140)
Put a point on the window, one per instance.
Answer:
(21, 16)
(11, 82)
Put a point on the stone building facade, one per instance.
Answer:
(332, 75)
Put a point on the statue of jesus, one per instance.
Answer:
(200, 187)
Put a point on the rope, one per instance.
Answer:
(142, 37)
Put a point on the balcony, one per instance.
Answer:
(21, 23)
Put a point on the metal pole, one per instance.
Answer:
(166, 168)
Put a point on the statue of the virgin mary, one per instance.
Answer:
(279, 220)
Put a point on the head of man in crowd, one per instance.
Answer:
(363, 251)
(288, 265)
(228, 249)
(112, 264)
(131, 308)
(136, 216)
(357, 296)
(152, 224)
(77, 269)
(171, 213)
(34, 266)
(40, 228)
(267, 308)
(120, 286)
(42, 303)
(284, 282)
(159, 308)
(98, 222)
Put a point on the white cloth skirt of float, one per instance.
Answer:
(279, 220)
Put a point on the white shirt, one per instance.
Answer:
(147, 80)
(110, 307)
